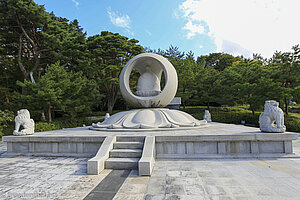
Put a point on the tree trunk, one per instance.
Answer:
(253, 112)
(110, 106)
(24, 91)
(207, 105)
(43, 117)
(49, 114)
(112, 98)
(286, 106)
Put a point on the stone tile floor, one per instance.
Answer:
(45, 177)
(65, 178)
(226, 179)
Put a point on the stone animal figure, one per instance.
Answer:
(23, 119)
(272, 119)
(207, 116)
(106, 116)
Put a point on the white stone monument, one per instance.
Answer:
(23, 119)
(272, 119)
(207, 116)
(149, 100)
(106, 116)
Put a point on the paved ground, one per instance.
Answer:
(226, 179)
(65, 178)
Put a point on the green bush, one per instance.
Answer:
(62, 123)
(6, 117)
(292, 123)
(234, 115)
(45, 126)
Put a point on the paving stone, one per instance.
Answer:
(189, 174)
(35, 177)
(194, 190)
(66, 178)
(154, 197)
(175, 189)
(214, 190)
(174, 173)
(122, 196)
(109, 186)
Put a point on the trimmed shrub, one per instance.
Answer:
(234, 115)
(45, 126)
(62, 123)
(6, 117)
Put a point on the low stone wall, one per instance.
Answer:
(53, 146)
(210, 146)
(166, 147)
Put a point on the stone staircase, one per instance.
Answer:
(126, 153)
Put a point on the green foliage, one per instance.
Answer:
(62, 123)
(219, 61)
(206, 87)
(45, 126)
(58, 89)
(109, 52)
(234, 115)
(75, 75)
(285, 68)
(292, 123)
(246, 82)
(6, 117)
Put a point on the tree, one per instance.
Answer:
(247, 82)
(218, 61)
(109, 52)
(24, 22)
(206, 85)
(285, 69)
(36, 38)
(58, 89)
(186, 78)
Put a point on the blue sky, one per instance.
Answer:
(238, 27)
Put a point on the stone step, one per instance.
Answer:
(130, 138)
(125, 153)
(128, 145)
(122, 163)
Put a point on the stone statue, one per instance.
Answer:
(148, 84)
(149, 99)
(23, 119)
(271, 114)
(207, 116)
(106, 116)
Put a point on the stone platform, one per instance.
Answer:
(217, 140)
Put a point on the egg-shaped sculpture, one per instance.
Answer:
(149, 94)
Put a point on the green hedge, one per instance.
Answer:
(234, 115)
(59, 123)
(6, 117)
(68, 122)
(62, 123)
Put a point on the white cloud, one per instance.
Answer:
(148, 32)
(193, 29)
(76, 3)
(243, 27)
(176, 15)
(235, 49)
(119, 20)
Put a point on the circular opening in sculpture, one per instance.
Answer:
(147, 77)
(133, 82)
(156, 84)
